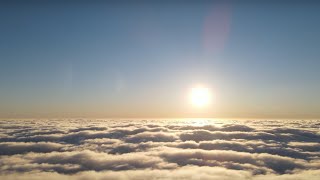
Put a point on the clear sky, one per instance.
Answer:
(124, 59)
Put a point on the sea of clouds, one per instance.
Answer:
(160, 149)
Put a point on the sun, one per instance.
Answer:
(200, 96)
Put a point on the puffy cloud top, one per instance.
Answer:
(154, 149)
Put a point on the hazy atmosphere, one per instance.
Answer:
(159, 90)
(140, 59)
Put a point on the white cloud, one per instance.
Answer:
(98, 149)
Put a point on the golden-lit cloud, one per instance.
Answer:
(164, 149)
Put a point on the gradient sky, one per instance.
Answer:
(125, 59)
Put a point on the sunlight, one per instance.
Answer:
(200, 96)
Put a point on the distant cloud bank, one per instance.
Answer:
(154, 149)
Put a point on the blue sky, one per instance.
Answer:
(122, 59)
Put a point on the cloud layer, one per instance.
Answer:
(159, 149)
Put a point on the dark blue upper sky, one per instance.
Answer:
(126, 59)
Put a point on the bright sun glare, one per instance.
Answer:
(200, 96)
